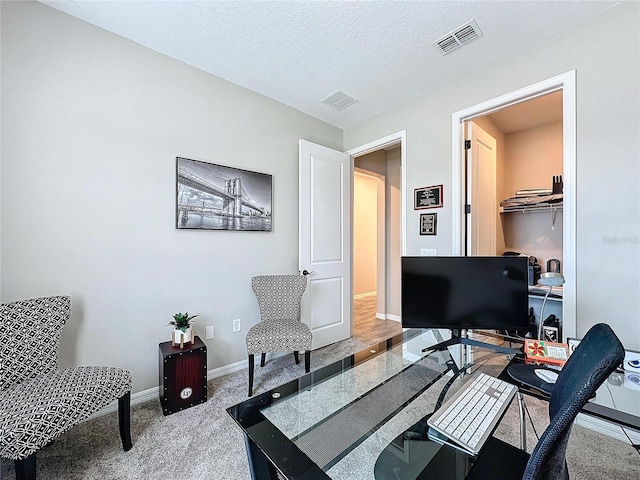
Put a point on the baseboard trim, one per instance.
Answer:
(153, 393)
(136, 398)
(387, 316)
(365, 294)
(607, 428)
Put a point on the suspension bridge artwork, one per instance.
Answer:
(217, 197)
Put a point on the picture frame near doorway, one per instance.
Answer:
(427, 197)
(428, 223)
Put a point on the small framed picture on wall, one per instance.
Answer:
(428, 223)
(427, 197)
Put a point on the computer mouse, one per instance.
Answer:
(546, 375)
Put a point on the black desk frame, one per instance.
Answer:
(267, 447)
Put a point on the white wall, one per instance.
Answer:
(532, 157)
(91, 126)
(365, 228)
(608, 152)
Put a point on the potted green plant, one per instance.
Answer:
(182, 330)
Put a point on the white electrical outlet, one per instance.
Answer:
(428, 252)
(236, 325)
(209, 332)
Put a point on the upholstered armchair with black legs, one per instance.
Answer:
(594, 359)
(38, 402)
(280, 329)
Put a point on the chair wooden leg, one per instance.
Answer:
(296, 355)
(263, 357)
(251, 366)
(26, 468)
(307, 360)
(124, 420)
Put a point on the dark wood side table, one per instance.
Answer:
(183, 375)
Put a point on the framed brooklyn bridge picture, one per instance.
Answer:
(218, 197)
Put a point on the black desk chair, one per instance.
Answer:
(594, 359)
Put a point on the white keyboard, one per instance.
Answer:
(469, 417)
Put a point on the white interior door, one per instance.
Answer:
(325, 241)
(481, 185)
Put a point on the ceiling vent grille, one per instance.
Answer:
(458, 37)
(339, 100)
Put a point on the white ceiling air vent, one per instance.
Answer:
(458, 37)
(339, 100)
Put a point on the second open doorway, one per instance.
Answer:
(377, 242)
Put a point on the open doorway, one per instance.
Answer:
(377, 243)
(325, 236)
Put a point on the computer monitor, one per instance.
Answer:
(460, 293)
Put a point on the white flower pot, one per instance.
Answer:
(180, 337)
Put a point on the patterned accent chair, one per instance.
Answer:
(280, 329)
(38, 402)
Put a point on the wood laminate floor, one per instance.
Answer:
(368, 328)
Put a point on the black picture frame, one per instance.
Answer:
(428, 224)
(210, 196)
(428, 197)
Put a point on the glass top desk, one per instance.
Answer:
(363, 417)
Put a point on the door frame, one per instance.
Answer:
(398, 138)
(567, 83)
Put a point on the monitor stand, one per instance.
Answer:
(457, 338)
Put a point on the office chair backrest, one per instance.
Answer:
(279, 296)
(594, 359)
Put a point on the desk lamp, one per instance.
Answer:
(550, 279)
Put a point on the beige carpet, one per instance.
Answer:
(203, 442)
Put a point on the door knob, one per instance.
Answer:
(307, 272)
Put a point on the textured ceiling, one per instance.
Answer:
(299, 52)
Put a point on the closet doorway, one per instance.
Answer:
(542, 115)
